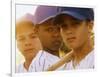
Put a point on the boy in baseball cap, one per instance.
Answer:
(76, 25)
(49, 36)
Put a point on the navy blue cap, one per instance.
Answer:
(78, 13)
(44, 13)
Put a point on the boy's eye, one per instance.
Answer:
(76, 22)
(64, 26)
(21, 39)
(33, 36)
(49, 30)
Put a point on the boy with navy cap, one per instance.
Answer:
(76, 25)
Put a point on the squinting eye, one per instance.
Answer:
(64, 26)
(50, 30)
(76, 23)
(21, 39)
(33, 36)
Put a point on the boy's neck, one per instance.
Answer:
(56, 53)
(27, 63)
(82, 52)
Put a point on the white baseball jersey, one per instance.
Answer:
(86, 63)
(43, 60)
(21, 69)
(40, 63)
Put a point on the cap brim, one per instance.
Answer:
(73, 14)
(49, 17)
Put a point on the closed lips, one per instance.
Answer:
(71, 38)
(30, 49)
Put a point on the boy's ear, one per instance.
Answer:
(90, 26)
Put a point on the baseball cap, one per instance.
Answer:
(27, 17)
(43, 13)
(30, 17)
(78, 13)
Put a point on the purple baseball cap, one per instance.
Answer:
(27, 17)
(43, 13)
(30, 17)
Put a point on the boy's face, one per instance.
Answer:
(27, 41)
(49, 36)
(75, 33)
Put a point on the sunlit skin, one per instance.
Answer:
(27, 41)
(76, 34)
(50, 37)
